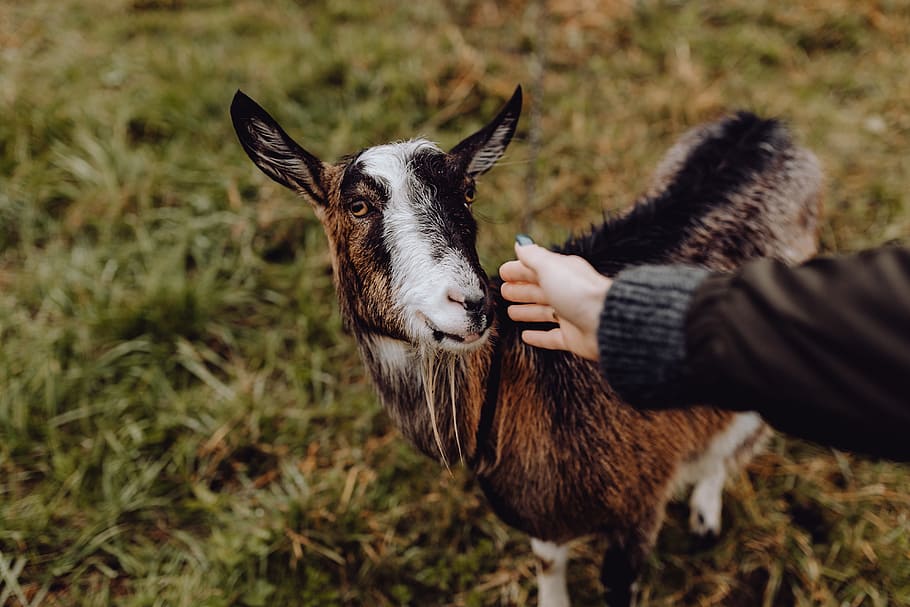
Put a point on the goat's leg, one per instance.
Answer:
(619, 572)
(552, 590)
(706, 502)
(728, 451)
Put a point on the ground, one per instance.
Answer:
(183, 420)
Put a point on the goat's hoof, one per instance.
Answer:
(705, 541)
(703, 525)
(621, 599)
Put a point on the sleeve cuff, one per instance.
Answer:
(642, 339)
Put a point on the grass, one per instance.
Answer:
(183, 420)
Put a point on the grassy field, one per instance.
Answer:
(183, 420)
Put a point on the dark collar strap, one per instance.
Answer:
(484, 448)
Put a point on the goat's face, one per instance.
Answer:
(399, 225)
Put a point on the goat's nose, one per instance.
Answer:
(471, 302)
(474, 305)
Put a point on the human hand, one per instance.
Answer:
(549, 287)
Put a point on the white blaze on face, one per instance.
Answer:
(427, 271)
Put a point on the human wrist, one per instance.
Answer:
(641, 335)
(582, 299)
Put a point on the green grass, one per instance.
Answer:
(183, 420)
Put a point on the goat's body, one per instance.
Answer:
(555, 450)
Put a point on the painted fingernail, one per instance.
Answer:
(523, 240)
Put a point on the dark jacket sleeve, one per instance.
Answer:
(821, 350)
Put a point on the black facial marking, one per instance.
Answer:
(446, 217)
(357, 183)
(375, 242)
(445, 178)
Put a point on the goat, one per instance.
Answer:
(556, 452)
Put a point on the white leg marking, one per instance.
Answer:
(709, 472)
(707, 501)
(552, 590)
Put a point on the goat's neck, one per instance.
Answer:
(421, 386)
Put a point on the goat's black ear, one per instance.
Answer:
(274, 152)
(479, 152)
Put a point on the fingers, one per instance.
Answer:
(532, 260)
(523, 292)
(536, 257)
(549, 340)
(515, 271)
(532, 313)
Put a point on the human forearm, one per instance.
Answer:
(821, 350)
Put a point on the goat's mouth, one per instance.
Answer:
(462, 339)
(459, 340)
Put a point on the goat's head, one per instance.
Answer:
(398, 218)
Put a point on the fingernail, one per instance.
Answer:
(523, 240)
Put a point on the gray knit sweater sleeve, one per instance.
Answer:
(642, 338)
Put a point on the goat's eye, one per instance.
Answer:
(360, 208)
(470, 194)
